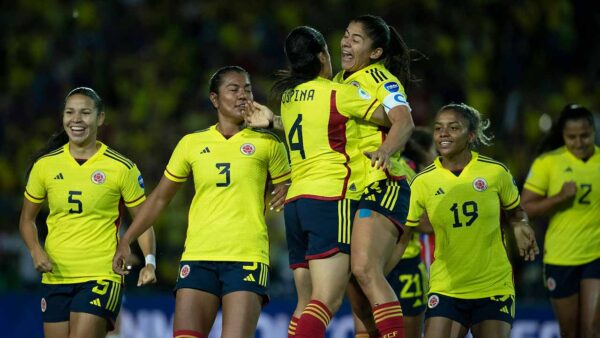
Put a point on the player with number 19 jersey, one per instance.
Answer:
(319, 118)
(85, 202)
(470, 257)
(226, 218)
(388, 90)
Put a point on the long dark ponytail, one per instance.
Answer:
(302, 48)
(396, 54)
(61, 138)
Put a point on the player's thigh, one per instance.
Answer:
(329, 277)
(195, 310)
(442, 327)
(491, 329)
(241, 310)
(87, 325)
(590, 307)
(56, 330)
(374, 237)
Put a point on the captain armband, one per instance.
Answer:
(395, 99)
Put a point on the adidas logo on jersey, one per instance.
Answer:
(59, 176)
(440, 191)
(249, 278)
(96, 302)
(205, 151)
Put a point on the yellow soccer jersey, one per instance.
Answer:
(226, 220)
(85, 210)
(319, 119)
(414, 246)
(388, 90)
(573, 236)
(470, 257)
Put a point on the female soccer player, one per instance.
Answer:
(319, 119)
(471, 281)
(226, 256)
(562, 184)
(375, 58)
(85, 183)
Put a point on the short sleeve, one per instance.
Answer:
(178, 169)
(508, 191)
(355, 102)
(537, 179)
(416, 206)
(35, 190)
(132, 188)
(279, 165)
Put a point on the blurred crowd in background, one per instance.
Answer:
(518, 62)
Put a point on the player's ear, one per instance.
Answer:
(214, 99)
(101, 117)
(376, 53)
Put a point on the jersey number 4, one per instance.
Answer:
(297, 130)
(469, 209)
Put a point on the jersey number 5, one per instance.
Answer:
(297, 130)
(469, 209)
(73, 199)
(224, 167)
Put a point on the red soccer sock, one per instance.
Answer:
(389, 320)
(314, 320)
(187, 334)
(292, 327)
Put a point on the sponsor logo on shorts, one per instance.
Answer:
(433, 301)
(391, 87)
(247, 149)
(43, 304)
(551, 283)
(480, 184)
(98, 177)
(185, 271)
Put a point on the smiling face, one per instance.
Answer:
(232, 96)
(451, 134)
(81, 120)
(357, 52)
(579, 138)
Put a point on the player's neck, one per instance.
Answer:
(228, 129)
(456, 162)
(83, 151)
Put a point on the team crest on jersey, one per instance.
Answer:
(433, 301)
(185, 271)
(247, 149)
(480, 184)
(551, 283)
(363, 93)
(141, 181)
(98, 177)
(43, 304)
(391, 87)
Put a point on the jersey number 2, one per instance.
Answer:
(297, 130)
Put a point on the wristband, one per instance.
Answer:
(151, 259)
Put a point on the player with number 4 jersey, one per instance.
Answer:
(462, 192)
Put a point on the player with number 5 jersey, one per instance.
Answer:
(226, 255)
(463, 192)
(86, 184)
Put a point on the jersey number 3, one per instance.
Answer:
(224, 167)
